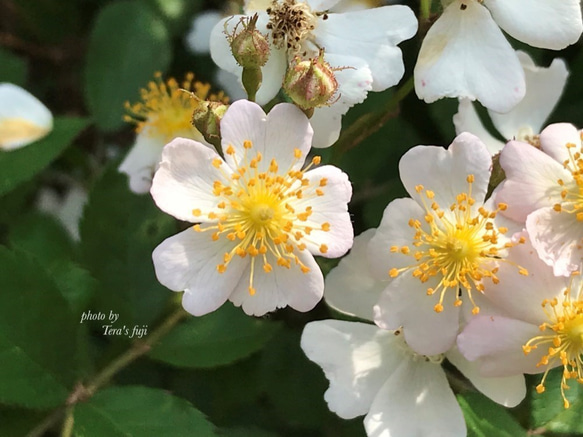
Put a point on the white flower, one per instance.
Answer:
(465, 54)
(67, 209)
(374, 372)
(438, 246)
(23, 118)
(165, 112)
(538, 327)
(544, 87)
(261, 216)
(370, 59)
(543, 189)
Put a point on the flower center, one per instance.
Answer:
(15, 129)
(402, 344)
(257, 212)
(572, 192)
(563, 334)
(291, 23)
(166, 108)
(457, 249)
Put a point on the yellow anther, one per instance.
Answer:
(247, 144)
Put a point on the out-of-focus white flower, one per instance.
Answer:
(465, 54)
(538, 327)
(439, 246)
(165, 112)
(374, 372)
(544, 87)
(23, 118)
(261, 217)
(543, 189)
(67, 209)
(365, 61)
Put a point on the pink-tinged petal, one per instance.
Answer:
(554, 138)
(331, 207)
(496, 343)
(521, 296)
(141, 162)
(445, 172)
(531, 180)
(357, 359)
(405, 303)
(280, 287)
(350, 287)
(184, 182)
(275, 135)
(467, 120)
(557, 238)
(188, 261)
(385, 27)
(416, 401)
(544, 86)
(547, 24)
(507, 390)
(393, 230)
(465, 55)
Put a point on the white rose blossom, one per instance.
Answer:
(465, 54)
(544, 87)
(260, 216)
(374, 372)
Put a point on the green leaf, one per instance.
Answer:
(216, 339)
(37, 335)
(12, 68)
(485, 418)
(76, 284)
(548, 410)
(119, 231)
(139, 411)
(18, 422)
(246, 432)
(127, 45)
(178, 14)
(18, 166)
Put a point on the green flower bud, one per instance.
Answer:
(207, 120)
(249, 46)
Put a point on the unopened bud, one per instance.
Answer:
(249, 46)
(207, 120)
(310, 83)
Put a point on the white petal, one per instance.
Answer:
(547, 24)
(230, 84)
(467, 120)
(416, 401)
(350, 287)
(322, 5)
(184, 181)
(188, 261)
(385, 27)
(354, 79)
(445, 171)
(357, 359)
(507, 390)
(23, 118)
(465, 54)
(405, 303)
(531, 180)
(199, 36)
(496, 342)
(393, 231)
(275, 135)
(141, 161)
(327, 123)
(281, 287)
(555, 137)
(557, 238)
(331, 208)
(544, 86)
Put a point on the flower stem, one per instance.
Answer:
(369, 123)
(425, 10)
(104, 376)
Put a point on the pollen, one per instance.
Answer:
(259, 217)
(166, 108)
(571, 191)
(562, 337)
(291, 23)
(457, 248)
(19, 129)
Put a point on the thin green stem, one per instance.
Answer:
(425, 10)
(369, 123)
(68, 423)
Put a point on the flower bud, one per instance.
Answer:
(249, 47)
(207, 120)
(310, 83)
